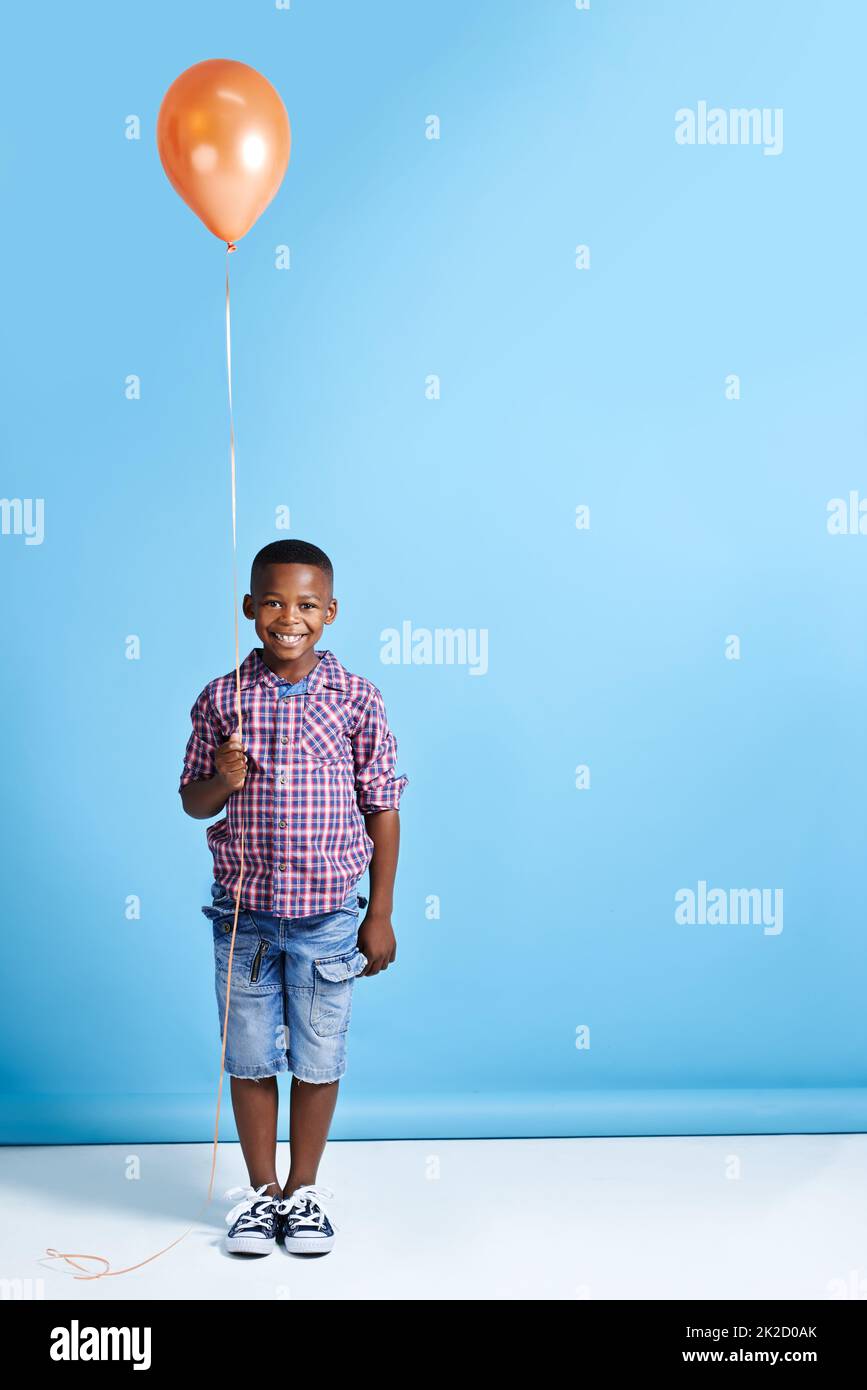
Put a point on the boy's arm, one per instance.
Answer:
(204, 797)
(212, 769)
(378, 789)
(383, 827)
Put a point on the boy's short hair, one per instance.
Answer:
(291, 553)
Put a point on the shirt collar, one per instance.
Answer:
(328, 672)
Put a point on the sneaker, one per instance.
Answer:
(306, 1227)
(253, 1222)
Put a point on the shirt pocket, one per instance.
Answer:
(325, 732)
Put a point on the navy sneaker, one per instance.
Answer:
(253, 1223)
(304, 1220)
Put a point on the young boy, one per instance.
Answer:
(314, 787)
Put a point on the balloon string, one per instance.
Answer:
(71, 1257)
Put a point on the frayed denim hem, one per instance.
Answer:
(316, 1080)
(261, 1074)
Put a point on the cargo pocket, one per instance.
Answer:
(333, 979)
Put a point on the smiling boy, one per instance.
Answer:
(314, 788)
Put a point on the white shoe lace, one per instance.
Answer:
(243, 1211)
(298, 1200)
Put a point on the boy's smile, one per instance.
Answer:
(294, 605)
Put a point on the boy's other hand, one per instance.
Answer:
(231, 763)
(377, 940)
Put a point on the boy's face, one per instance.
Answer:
(290, 607)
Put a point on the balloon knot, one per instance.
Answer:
(230, 246)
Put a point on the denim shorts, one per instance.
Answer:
(292, 980)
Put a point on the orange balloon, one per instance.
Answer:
(224, 138)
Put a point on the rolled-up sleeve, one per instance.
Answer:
(202, 744)
(378, 784)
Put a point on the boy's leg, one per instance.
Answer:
(256, 1049)
(321, 962)
(311, 1108)
(255, 1104)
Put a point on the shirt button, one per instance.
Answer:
(283, 824)
(284, 739)
(281, 867)
(282, 777)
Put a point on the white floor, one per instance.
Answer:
(728, 1217)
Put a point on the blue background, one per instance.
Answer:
(559, 388)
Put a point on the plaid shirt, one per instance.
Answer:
(320, 755)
